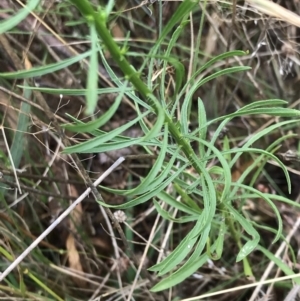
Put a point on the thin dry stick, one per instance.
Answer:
(102, 283)
(272, 263)
(92, 279)
(224, 41)
(11, 159)
(141, 237)
(191, 52)
(292, 295)
(114, 243)
(108, 223)
(275, 10)
(152, 234)
(39, 181)
(167, 236)
(59, 219)
(238, 288)
(78, 163)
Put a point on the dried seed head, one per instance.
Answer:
(120, 216)
(121, 264)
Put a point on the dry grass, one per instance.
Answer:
(84, 257)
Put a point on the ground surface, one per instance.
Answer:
(83, 258)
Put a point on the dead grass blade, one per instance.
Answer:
(275, 10)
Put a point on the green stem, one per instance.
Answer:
(99, 19)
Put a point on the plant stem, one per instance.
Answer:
(99, 18)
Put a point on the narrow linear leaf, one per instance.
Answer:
(165, 172)
(266, 197)
(180, 275)
(184, 8)
(89, 145)
(220, 239)
(166, 215)
(147, 196)
(184, 271)
(181, 251)
(281, 112)
(92, 80)
(175, 204)
(96, 124)
(196, 86)
(220, 57)
(17, 147)
(179, 73)
(159, 121)
(263, 103)
(158, 165)
(284, 267)
(142, 188)
(13, 21)
(201, 122)
(75, 92)
(250, 245)
(42, 70)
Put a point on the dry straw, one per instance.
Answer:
(273, 9)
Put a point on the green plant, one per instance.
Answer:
(213, 188)
(208, 195)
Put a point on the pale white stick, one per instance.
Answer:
(58, 220)
(11, 160)
(272, 263)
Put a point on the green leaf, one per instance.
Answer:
(267, 198)
(92, 80)
(91, 144)
(181, 251)
(11, 22)
(196, 86)
(180, 14)
(185, 270)
(203, 129)
(49, 68)
(167, 216)
(220, 239)
(220, 57)
(224, 163)
(164, 174)
(152, 182)
(250, 245)
(147, 196)
(76, 92)
(219, 73)
(184, 9)
(258, 135)
(180, 71)
(168, 199)
(282, 266)
(247, 248)
(144, 185)
(111, 146)
(180, 274)
(17, 147)
(159, 121)
(96, 124)
(263, 103)
(284, 112)
(205, 219)
(185, 198)
(120, 84)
